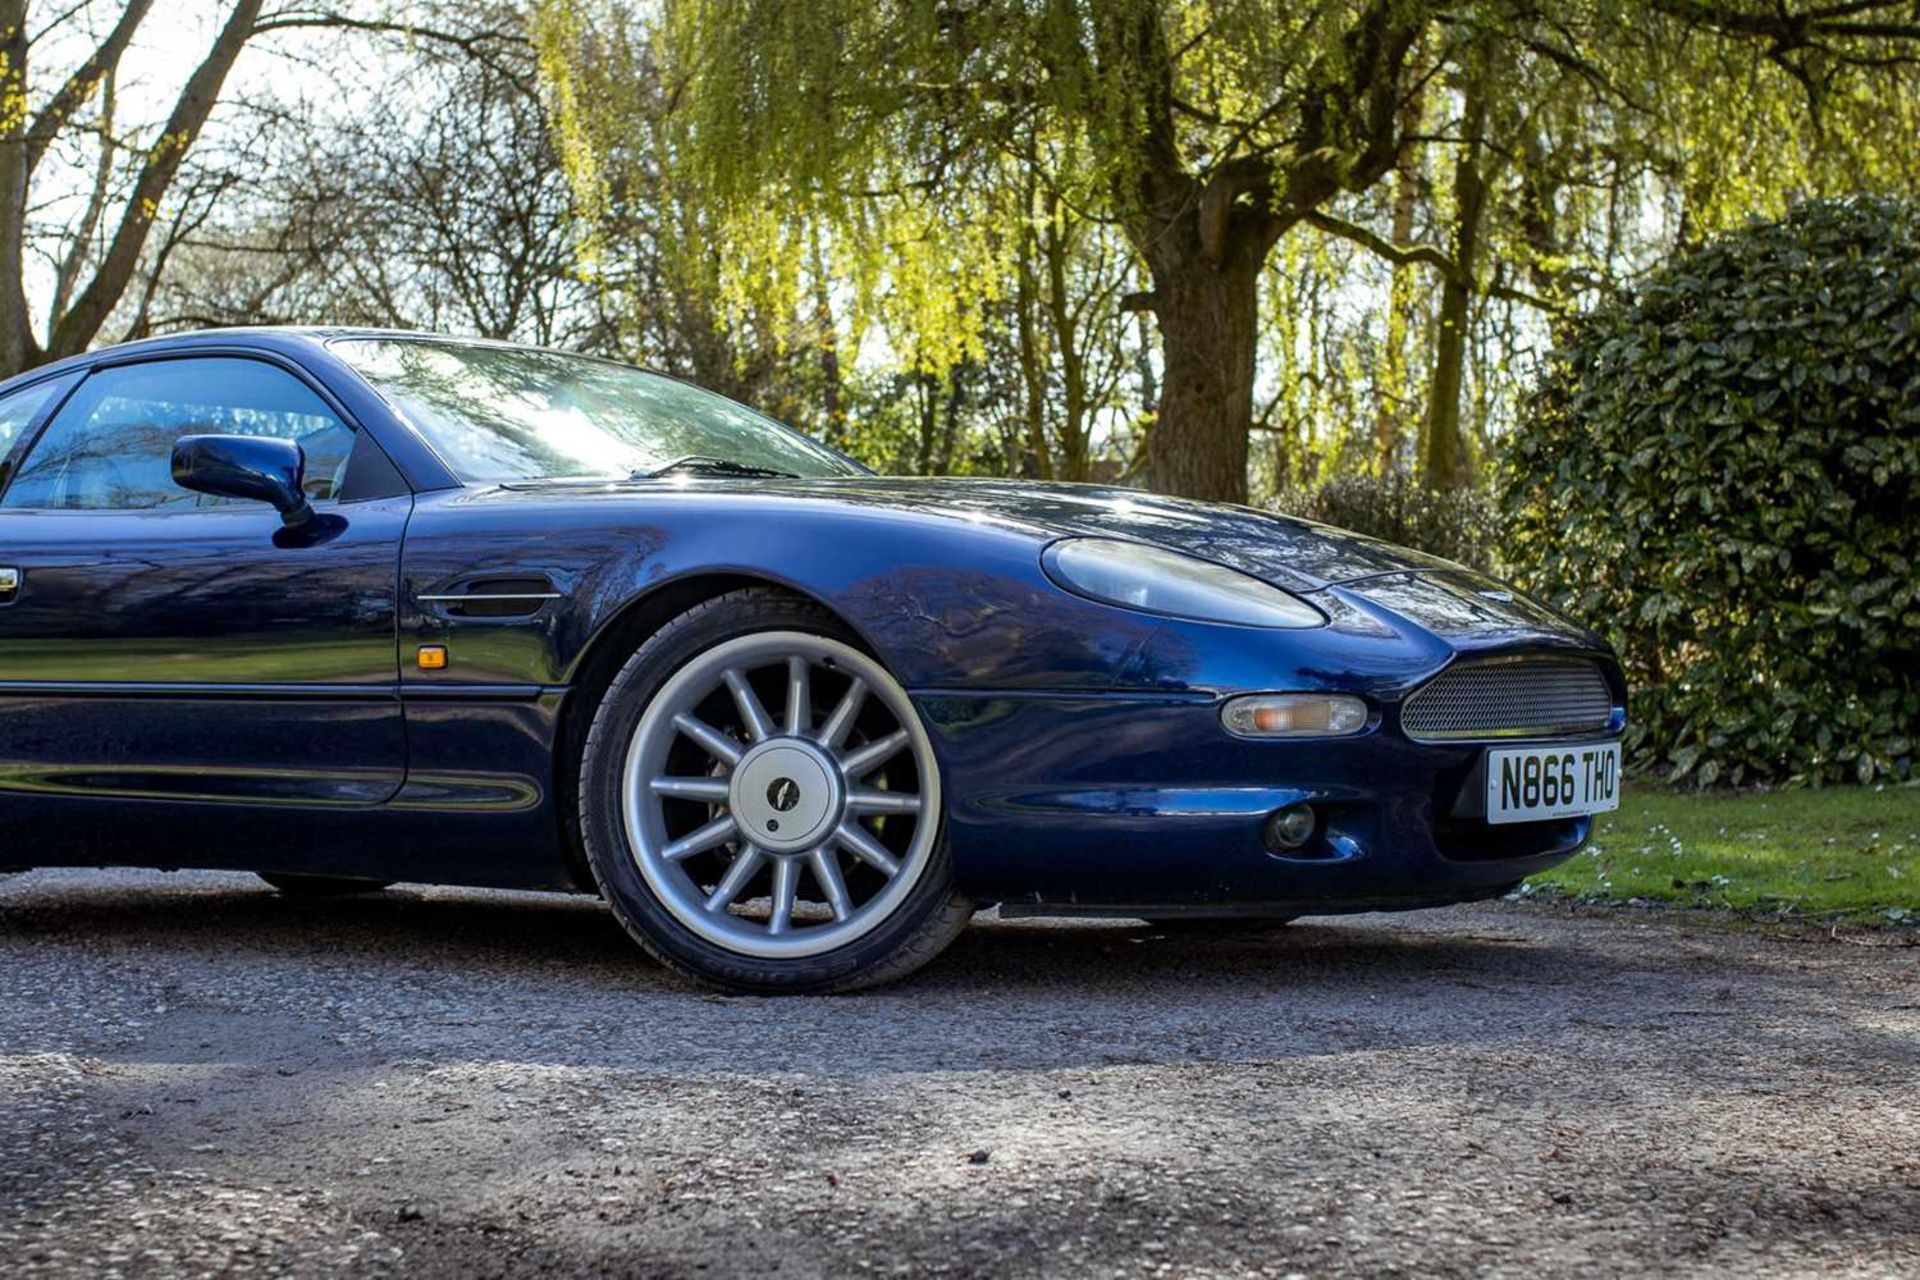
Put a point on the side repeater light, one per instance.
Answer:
(433, 657)
(1294, 715)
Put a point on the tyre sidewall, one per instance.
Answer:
(610, 853)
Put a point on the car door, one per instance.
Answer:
(161, 644)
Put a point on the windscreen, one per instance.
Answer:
(500, 413)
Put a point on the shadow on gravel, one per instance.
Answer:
(527, 933)
(250, 977)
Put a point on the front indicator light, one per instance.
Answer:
(1294, 715)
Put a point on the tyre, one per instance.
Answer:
(760, 804)
(1220, 926)
(294, 886)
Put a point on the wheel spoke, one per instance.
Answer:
(799, 696)
(868, 800)
(745, 863)
(759, 724)
(826, 874)
(711, 740)
(863, 760)
(719, 831)
(745, 727)
(712, 790)
(840, 723)
(786, 877)
(860, 843)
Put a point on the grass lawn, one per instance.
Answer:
(1840, 853)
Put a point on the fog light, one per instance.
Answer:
(1294, 715)
(1291, 827)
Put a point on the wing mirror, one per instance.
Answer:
(249, 467)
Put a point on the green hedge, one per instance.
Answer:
(1455, 523)
(1720, 474)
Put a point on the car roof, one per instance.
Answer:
(261, 335)
(270, 337)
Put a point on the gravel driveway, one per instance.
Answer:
(199, 1076)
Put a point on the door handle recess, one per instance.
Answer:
(9, 585)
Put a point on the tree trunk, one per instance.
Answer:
(16, 338)
(1032, 363)
(1447, 464)
(834, 429)
(923, 411)
(78, 327)
(1538, 186)
(82, 237)
(950, 422)
(1209, 330)
(1074, 460)
(1446, 460)
(1395, 376)
(1143, 375)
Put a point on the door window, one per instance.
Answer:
(110, 448)
(17, 410)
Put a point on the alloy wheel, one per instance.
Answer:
(780, 795)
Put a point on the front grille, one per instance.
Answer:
(1515, 698)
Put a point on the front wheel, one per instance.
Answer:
(761, 804)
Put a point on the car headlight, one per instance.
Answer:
(1136, 575)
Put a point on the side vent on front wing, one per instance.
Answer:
(505, 597)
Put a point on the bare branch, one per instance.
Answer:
(89, 311)
(80, 85)
(83, 235)
(1509, 293)
(1398, 254)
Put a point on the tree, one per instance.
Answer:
(437, 202)
(26, 133)
(1207, 131)
(1561, 150)
(138, 165)
(1066, 332)
(1210, 129)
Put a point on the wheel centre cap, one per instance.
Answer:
(786, 794)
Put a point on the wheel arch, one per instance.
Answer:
(615, 640)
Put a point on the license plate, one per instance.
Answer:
(1532, 784)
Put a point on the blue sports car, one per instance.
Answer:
(345, 608)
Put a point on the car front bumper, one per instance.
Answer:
(1116, 803)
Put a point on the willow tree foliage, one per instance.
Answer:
(1206, 130)
(1404, 324)
(889, 142)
